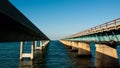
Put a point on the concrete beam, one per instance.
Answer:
(105, 56)
(83, 48)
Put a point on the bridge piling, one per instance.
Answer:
(38, 47)
(83, 49)
(33, 48)
(26, 55)
(106, 56)
(74, 46)
(118, 52)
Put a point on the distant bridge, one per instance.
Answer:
(106, 32)
(103, 40)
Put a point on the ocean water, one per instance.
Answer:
(9, 55)
(10, 52)
(56, 56)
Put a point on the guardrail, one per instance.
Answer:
(114, 24)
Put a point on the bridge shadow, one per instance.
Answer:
(105, 61)
(77, 60)
(94, 59)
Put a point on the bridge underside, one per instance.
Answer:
(14, 26)
(106, 37)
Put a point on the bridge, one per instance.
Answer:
(15, 27)
(103, 38)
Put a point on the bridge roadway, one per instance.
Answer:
(105, 39)
(15, 27)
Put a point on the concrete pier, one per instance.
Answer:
(106, 56)
(38, 47)
(33, 47)
(74, 46)
(27, 55)
(83, 48)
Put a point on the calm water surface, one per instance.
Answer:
(56, 56)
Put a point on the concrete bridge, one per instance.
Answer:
(100, 41)
(15, 27)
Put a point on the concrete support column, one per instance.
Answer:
(35, 45)
(27, 55)
(118, 53)
(41, 43)
(32, 50)
(68, 43)
(83, 48)
(40, 46)
(74, 46)
(21, 49)
(44, 44)
(106, 56)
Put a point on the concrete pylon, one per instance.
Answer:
(27, 55)
(106, 56)
(38, 47)
(74, 46)
(83, 48)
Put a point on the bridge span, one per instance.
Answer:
(15, 27)
(104, 38)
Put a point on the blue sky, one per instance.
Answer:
(60, 18)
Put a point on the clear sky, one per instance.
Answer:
(60, 18)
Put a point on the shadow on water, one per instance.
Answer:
(56, 56)
(97, 60)
(79, 61)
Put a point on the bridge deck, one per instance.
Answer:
(112, 25)
(14, 26)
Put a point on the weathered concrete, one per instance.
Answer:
(83, 49)
(27, 55)
(38, 47)
(33, 47)
(105, 56)
(74, 46)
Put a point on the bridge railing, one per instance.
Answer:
(114, 24)
(107, 26)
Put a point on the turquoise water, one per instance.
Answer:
(56, 56)
(9, 55)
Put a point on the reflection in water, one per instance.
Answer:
(56, 56)
(9, 57)
(36, 63)
(60, 56)
(79, 61)
(26, 64)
